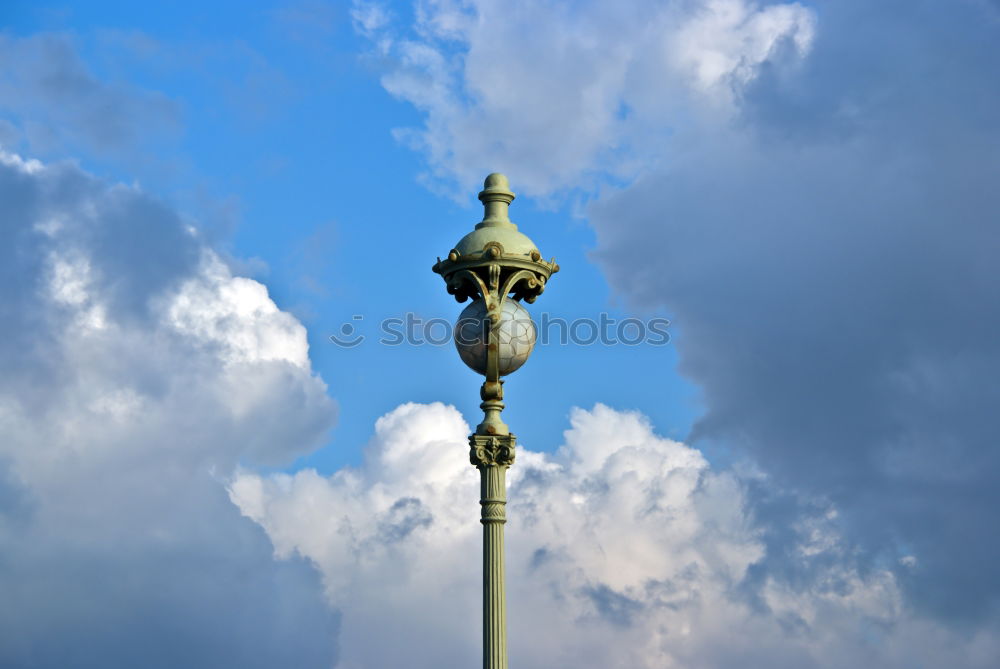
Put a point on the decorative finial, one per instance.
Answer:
(496, 197)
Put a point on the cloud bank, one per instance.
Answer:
(625, 550)
(836, 291)
(138, 372)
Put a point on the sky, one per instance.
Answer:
(199, 200)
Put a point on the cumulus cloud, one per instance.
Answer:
(624, 549)
(809, 190)
(138, 372)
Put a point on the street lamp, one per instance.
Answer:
(496, 267)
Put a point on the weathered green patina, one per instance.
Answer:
(494, 263)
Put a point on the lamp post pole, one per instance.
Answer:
(492, 456)
(497, 267)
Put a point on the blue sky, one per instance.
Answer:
(196, 197)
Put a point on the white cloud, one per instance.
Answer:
(624, 549)
(725, 41)
(368, 18)
(236, 314)
(560, 95)
(136, 375)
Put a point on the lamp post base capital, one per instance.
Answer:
(491, 450)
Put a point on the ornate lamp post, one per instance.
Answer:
(497, 267)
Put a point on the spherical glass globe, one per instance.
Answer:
(515, 335)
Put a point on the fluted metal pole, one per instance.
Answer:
(494, 501)
(492, 456)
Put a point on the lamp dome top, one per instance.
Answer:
(496, 226)
(496, 183)
(496, 197)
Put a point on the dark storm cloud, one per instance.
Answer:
(191, 601)
(831, 266)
